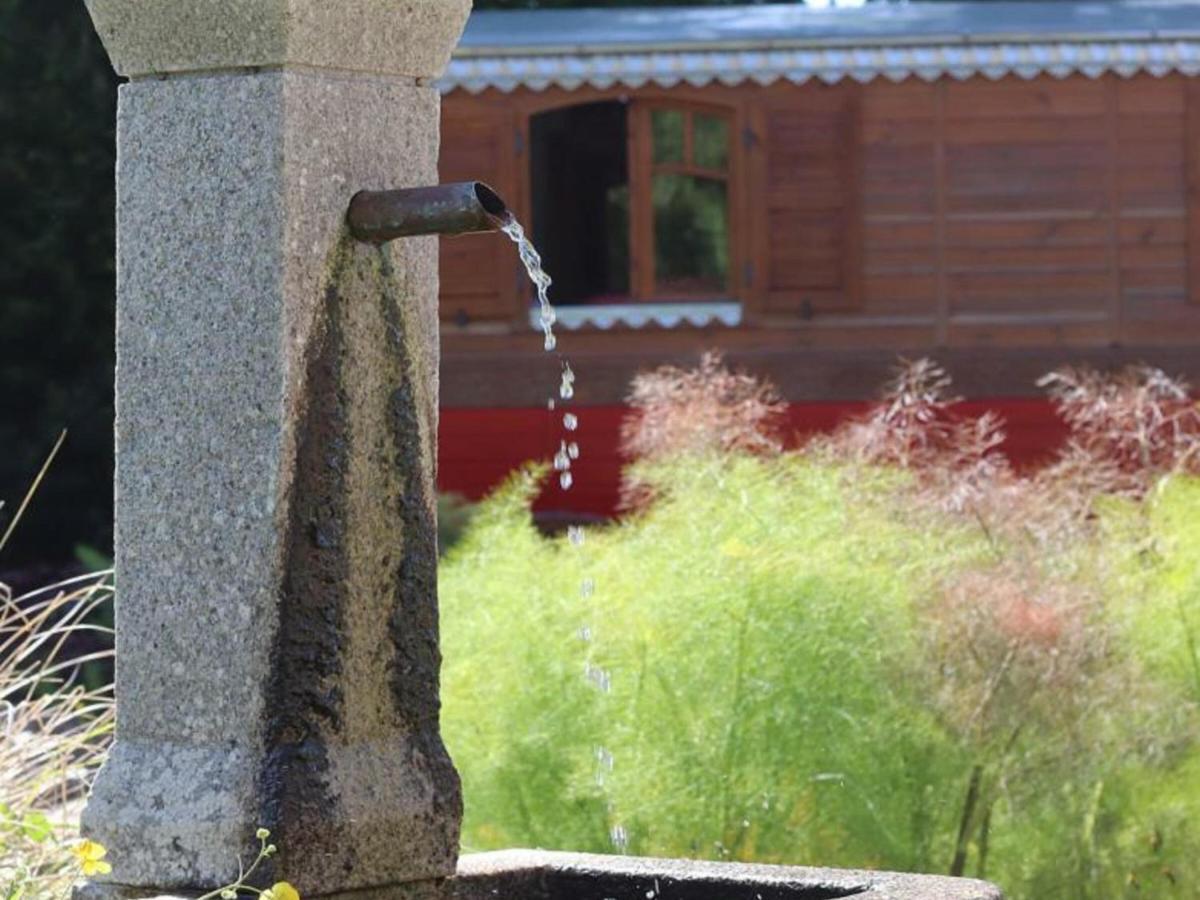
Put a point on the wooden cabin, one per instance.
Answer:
(1006, 187)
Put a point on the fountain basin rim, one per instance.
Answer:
(559, 876)
(549, 875)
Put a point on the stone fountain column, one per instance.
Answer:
(277, 653)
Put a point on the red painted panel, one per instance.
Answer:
(479, 447)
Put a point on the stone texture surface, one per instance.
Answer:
(277, 618)
(397, 37)
(539, 875)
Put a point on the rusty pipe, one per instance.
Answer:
(469, 206)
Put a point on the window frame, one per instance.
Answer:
(743, 226)
(642, 169)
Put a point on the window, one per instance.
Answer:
(688, 204)
(631, 203)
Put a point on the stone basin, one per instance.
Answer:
(542, 875)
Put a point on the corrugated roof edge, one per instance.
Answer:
(830, 43)
(928, 60)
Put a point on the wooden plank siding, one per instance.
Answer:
(900, 204)
(478, 283)
(1191, 152)
(809, 204)
(1056, 215)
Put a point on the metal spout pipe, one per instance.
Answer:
(464, 208)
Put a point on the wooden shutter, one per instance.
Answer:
(810, 205)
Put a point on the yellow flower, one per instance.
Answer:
(91, 856)
(280, 890)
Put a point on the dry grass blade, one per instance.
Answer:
(1135, 426)
(710, 408)
(686, 412)
(32, 490)
(56, 728)
(914, 426)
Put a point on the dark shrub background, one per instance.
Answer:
(57, 108)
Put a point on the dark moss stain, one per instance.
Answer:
(413, 627)
(305, 704)
(306, 707)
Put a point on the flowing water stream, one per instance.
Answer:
(567, 453)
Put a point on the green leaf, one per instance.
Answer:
(37, 827)
(92, 559)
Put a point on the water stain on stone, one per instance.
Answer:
(306, 705)
(416, 667)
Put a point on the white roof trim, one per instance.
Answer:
(476, 73)
(644, 315)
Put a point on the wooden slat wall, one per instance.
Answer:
(1028, 212)
(1191, 152)
(1153, 210)
(1022, 213)
(477, 278)
(899, 200)
(1027, 209)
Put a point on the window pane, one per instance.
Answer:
(616, 230)
(667, 127)
(691, 235)
(711, 142)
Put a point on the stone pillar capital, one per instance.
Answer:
(387, 37)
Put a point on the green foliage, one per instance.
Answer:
(788, 659)
(1163, 577)
(56, 273)
(454, 513)
(29, 830)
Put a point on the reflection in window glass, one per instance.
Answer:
(616, 221)
(667, 128)
(710, 142)
(691, 234)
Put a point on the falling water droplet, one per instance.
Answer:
(565, 480)
(567, 389)
(598, 677)
(573, 450)
(562, 459)
(587, 588)
(620, 840)
(533, 265)
(570, 421)
(551, 403)
(575, 535)
(585, 634)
